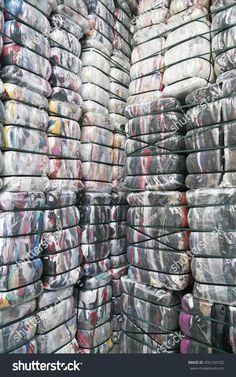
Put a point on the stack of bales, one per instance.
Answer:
(187, 58)
(93, 297)
(157, 217)
(25, 73)
(120, 79)
(210, 141)
(208, 314)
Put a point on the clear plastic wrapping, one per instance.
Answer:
(21, 34)
(17, 312)
(146, 5)
(160, 280)
(64, 39)
(95, 337)
(19, 114)
(164, 318)
(22, 139)
(155, 125)
(61, 21)
(27, 272)
(28, 348)
(63, 147)
(144, 69)
(103, 8)
(61, 77)
(18, 76)
(69, 348)
(92, 318)
(146, 84)
(147, 50)
(15, 93)
(192, 68)
(19, 163)
(75, 17)
(91, 74)
(63, 127)
(177, 6)
(57, 338)
(62, 280)
(151, 18)
(92, 92)
(47, 298)
(191, 346)
(210, 124)
(10, 299)
(54, 316)
(28, 14)
(23, 183)
(92, 298)
(16, 335)
(65, 59)
(78, 5)
(205, 322)
(95, 268)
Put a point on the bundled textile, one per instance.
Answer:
(187, 57)
(119, 83)
(119, 93)
(101, 22)
(119, 77)
(21, 223)
(95, 221)
(122, 35)
(93, 296)
(62, 254)
(118, 248)
(62, 257)
(96, 137)
(93, 311)
(167, 265)
(213, 268)
(147, 54)
(157, 232)
(210, 139)
(155, 131)
(29, 14)
(150, 319)
(209, 323)
(210, 143)
(56, 320)
(223, 36)
(65, 102)
(119, 141)
(97, 174)
(177, 6)
(56, 314)
(41, 61)
(57, 338)
(192, 346)
(25, 73)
